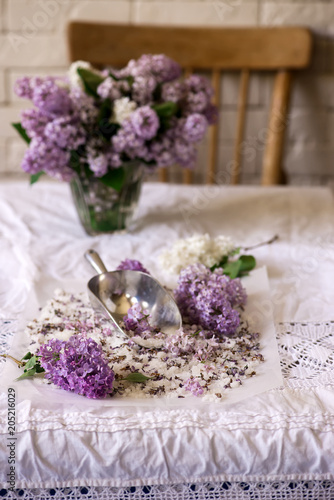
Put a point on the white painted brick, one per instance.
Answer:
(310, 125)
(330, 128)
(2, 14)
(302, 180)
(48, 15)
(15, 149)
(215, 13)
(32, 15)
(3, 163)
(255, 122)
(313, 89)
(319, 15)
(250, 179)
(14, 75)
(227, 125)
(266, 85)
(249, 163)
(305, 159)
(40, 50)
(2, 87)
(9, 115)
(229, 89)
(102, 11)
(322, 55)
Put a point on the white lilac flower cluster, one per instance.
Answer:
(174, 371)
(196, 249)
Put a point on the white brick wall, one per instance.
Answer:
(194, 13)
(33, 42)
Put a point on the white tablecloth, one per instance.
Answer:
(283, 434)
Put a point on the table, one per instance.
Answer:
(277, 443)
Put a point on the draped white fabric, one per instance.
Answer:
(282, 434)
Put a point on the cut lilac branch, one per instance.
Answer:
(269, 242)
(19, 363)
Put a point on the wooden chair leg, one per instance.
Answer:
(213, 136)
(235, 174)
(272, 159)
(163, 175)
(187, 176)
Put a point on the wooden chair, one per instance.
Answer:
(216, 49)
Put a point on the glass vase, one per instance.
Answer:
(103, 209)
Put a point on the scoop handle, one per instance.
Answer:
(95, 261)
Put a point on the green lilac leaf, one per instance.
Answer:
(136, 377)
(114, 77)
(27, 373)
(31, 363)
(104, 111)
(22, 132)
(75, 161)
(166, 109)
(232, 269)
(114, 178)
(27, 356)
(221, 263)
(90, 81)
(35, 177)
(248, 263)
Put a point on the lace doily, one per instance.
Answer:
(306, 352)
(287, 490)
(7, 330)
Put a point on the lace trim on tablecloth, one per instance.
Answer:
(287, 490)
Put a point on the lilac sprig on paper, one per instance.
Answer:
(77, 365)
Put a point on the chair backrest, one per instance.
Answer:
(215, 49)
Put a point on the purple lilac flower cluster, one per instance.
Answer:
(136, 321)
(132, 265)
(192, 340)
(209, 299)
(143, 112)
(193, 386)
(77, 365)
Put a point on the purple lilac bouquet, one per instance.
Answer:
(98, 121)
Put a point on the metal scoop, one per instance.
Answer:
(113, 293)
